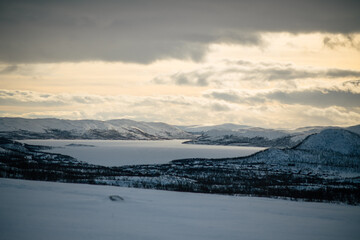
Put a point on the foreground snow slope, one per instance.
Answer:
(44, 210)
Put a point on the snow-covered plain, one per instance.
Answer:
(123, 152)
(45, 210)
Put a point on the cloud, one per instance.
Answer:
(236, 71)
(29, 98)
(195, 78)
(317, 98)
(285, 71)
(9, 69)
(163, 108)
(340, 73)
(226, 96)
(143, 31)
(352, 84)
(320, 98)
(220, 107)
(266, 109)
(289, 73)
(345, 40)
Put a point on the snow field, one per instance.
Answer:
(44, 210)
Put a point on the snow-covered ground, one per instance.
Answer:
(44, 210)
(123, 152)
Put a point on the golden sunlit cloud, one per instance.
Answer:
(188, 67)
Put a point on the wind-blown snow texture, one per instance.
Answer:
(57, 211)
(21, 128)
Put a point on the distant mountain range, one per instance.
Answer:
(232, 134)
(222, 127)
(122, 129)
(323, 167)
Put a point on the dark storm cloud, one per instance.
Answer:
(143, 31)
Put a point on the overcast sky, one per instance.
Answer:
(268, 63)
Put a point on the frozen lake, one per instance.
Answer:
(122, 152)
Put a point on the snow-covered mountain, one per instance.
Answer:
(261, 137)
(324, 167)
(224, 134)
(19, 128)
(331, 149)
(334, 140)
(355, 129)
(221, 127)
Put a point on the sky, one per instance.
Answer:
(267, 63)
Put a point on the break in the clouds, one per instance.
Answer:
(269, 63)
(147, 108)
(143, 31)
(272, 108)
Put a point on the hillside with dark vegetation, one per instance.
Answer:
(324, 167)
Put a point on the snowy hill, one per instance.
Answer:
(260, 137)
(221, 127)
(355, 129)
(335, 140)
(324, 167)
(269, 134)
(335, 151)
(20, 128)
(224, 134)
(252, 136)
